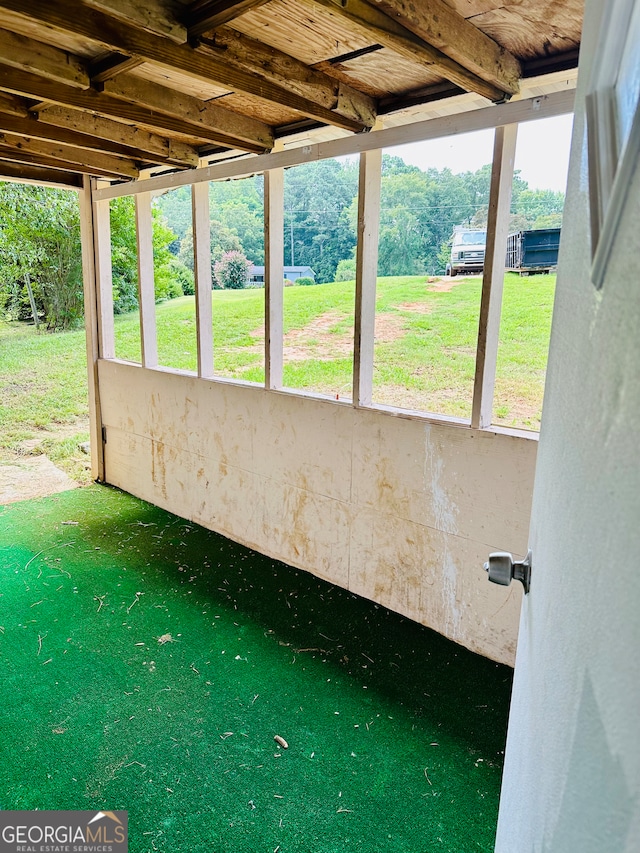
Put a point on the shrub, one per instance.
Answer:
(232, 270)
(346, 270)
(304, 281)
(183, 276)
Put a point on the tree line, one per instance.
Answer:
(41, 270)
(419, 210)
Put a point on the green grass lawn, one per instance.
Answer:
(424, 353)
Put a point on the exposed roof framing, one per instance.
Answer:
(66, 157)
(16, 171)
(404, 32)
(207, 15)
(105, 31)
(234, 131)
(110, 87)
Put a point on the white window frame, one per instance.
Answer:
(502, 118)
(612, 152)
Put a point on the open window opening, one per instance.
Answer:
(236, 232)
(433, 205)
(535, 223)
(173, 282)
(320, 200)
(124, 277)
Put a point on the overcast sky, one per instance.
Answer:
(542, 152)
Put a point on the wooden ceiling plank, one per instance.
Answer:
(206, 15)
(103, 134)
(441, 26)
(21, 173)
(274, 65)
(30, 55)
(385, 31)
(161, 17)
(33, 86)
(170, 102)
(71, 154)
(132, 41)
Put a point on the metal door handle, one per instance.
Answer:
(502, 568)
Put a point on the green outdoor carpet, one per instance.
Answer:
(147, 665)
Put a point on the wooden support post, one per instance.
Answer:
(104, 278)
(366, 274)
(91, 328)
(202, 274)
(504, 150)
(273, 276)
(146, 282)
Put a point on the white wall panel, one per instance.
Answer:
(400, 510)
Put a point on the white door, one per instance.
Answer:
(572, 766)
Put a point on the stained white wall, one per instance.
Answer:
(399, 510)
(572, 774)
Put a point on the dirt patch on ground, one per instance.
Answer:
(416, 307)
(32, 477)
(54, 432)
(444, 285)
(389, 328)
(26, 472)
(324, 338)
(328, 336)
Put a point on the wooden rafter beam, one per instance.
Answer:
(161, 17)
(132, 41)
(29, 55)
(109, 65)
(13, 106)
(104, 140)
(170, 102)
(384, 30)
(33, 86)
(205, 15)
(22, 173)
(275, 66)
(445, 29)
(102, 134)
(24, 54)
(14, 156)
(91, 162)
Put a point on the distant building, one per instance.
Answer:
(256, 274)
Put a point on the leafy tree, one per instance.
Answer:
(175, 206)
(346, 270)
(232, 270)
(124, 255)
(166, 283)
(247, 225)
(549, 220)
(235, 205)
(222, 240)
(40, 246)
(318, 229)
(393, 165)
(400, 243)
